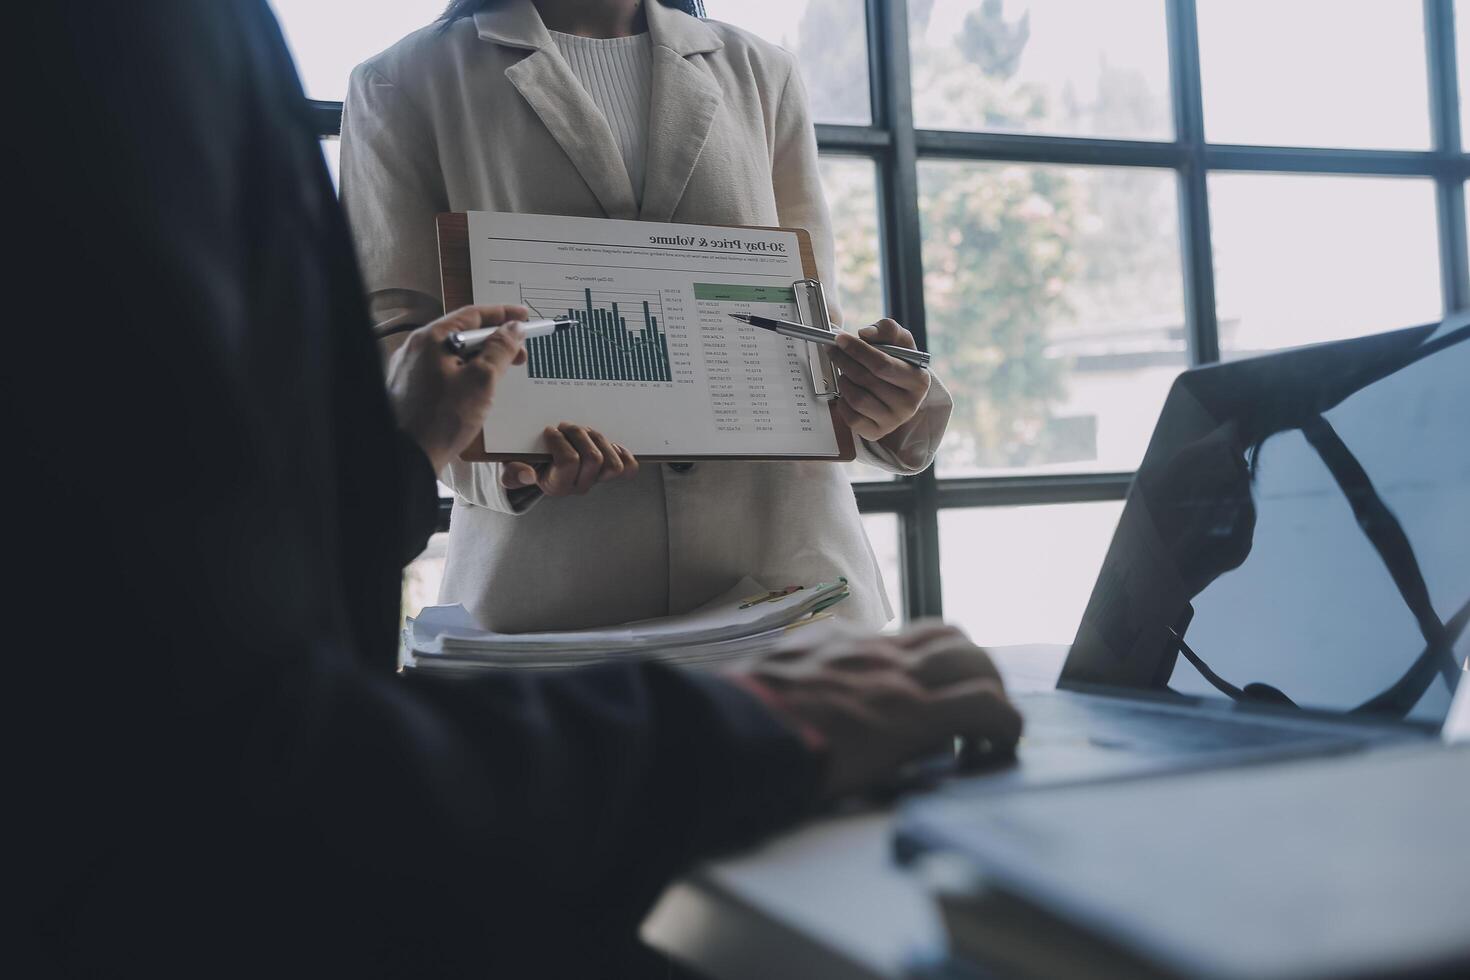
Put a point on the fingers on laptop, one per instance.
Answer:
(978, 708)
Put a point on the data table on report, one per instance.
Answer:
(653, 360)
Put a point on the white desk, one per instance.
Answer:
(823, 901)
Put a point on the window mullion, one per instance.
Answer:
(888, 20)
(1201, 325)
(1444, 108)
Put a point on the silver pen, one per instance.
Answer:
(816, 335)
(466, 342)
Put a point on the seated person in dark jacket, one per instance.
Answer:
(211, 496)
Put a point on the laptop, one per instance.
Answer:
(1290, 576)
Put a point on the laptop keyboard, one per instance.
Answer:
(1127, 726)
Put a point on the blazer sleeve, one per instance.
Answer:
(800, 202)
(392, 190)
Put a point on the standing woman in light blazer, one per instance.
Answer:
(634, 110)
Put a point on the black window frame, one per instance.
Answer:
(895, 146)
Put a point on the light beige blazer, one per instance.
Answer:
(488, 116)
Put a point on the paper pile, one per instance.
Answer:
(746, 621)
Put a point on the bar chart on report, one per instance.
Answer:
(619, 335)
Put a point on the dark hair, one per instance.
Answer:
(458, 9)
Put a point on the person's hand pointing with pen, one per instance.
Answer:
(441, 398)
(879, 392)
(442, 391)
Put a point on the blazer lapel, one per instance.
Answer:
(552, 90)
(547, 83)
(685, 100)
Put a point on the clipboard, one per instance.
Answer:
(457, 286)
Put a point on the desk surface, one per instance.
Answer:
(824, 900)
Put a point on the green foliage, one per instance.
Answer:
(832, 48)
(852, 194)
(996, 257)
(990, 43)
(997, 245)
(1010, 251)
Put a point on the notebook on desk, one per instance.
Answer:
(1331, 868)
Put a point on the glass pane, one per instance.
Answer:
(1022, 574)
(1055, 311)
(830, 41)
(1314, 73)
(1462, 59)
(1306, 258)
(882, 530)
(329, 38)
(851, 186)
(1068, 67)
(421, 578)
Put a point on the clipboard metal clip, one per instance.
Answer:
(811, 307)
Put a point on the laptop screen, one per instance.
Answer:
(1298, 534)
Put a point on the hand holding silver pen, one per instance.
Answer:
(466, 342)
(816, 335)
(884, 379)
(440, 398)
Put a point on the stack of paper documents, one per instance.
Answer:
(748, 620)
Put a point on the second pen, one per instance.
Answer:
(816, 335)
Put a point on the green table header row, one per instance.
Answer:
(744, 294)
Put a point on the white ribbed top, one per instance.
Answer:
(618, 73)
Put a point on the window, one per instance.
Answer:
(1023, 574)
(1053, 296)
(1302, 258)
(1296, 74)
(1068, 202)
(851, 186)
(830, 41)
(883, 533)
(328, 38)
(1462, 45)
(1070, 68)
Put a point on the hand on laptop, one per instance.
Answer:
(441, 399)
(872, 703)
